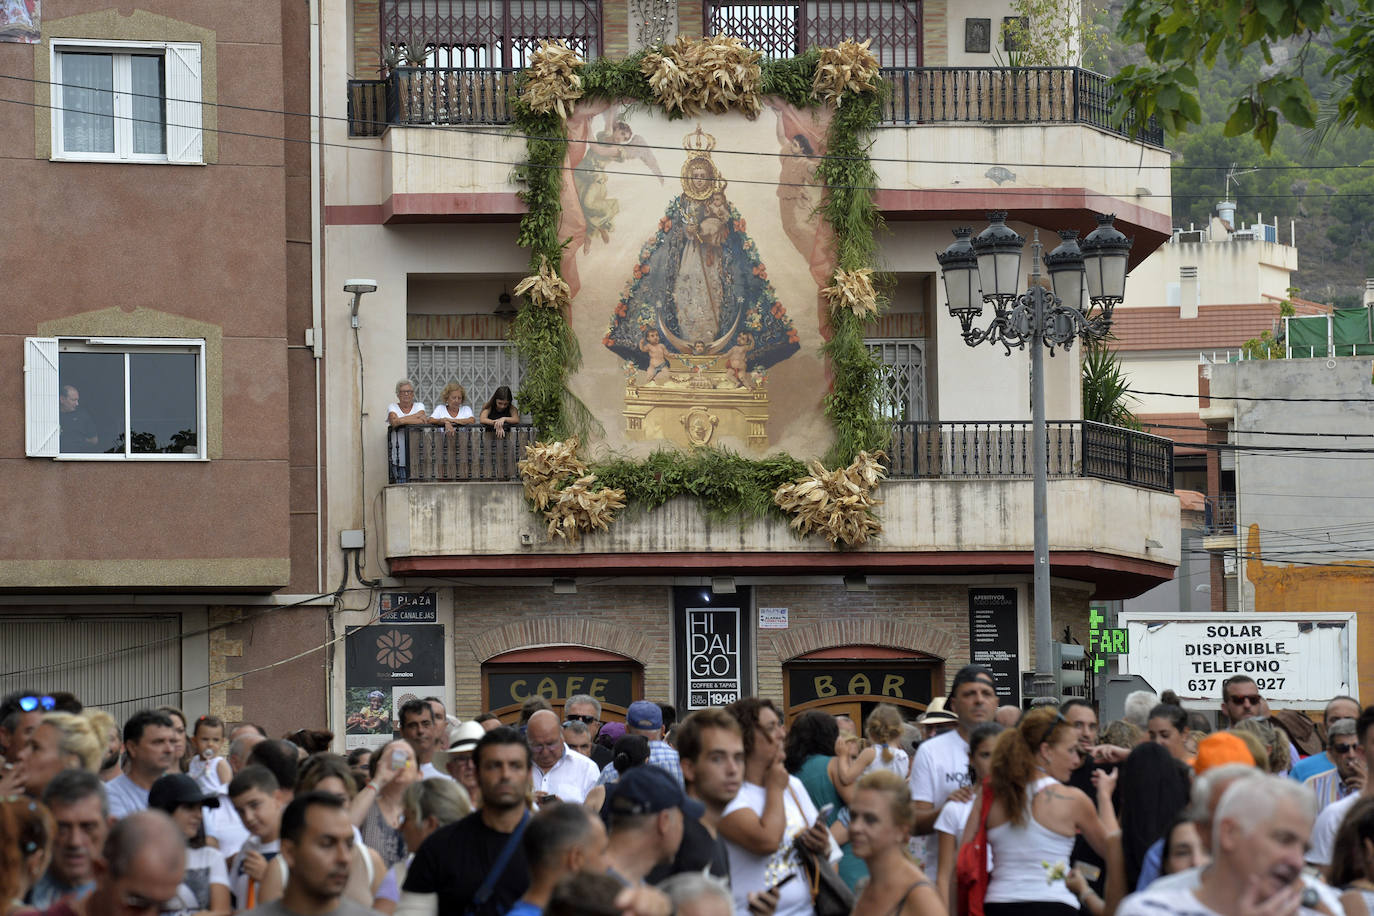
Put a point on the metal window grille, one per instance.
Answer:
(480, 366)
(902, 370)
(487, 33)
(785, 29)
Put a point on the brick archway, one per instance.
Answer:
(917, 637)
(561, 631)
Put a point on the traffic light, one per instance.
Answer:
(1070, 671)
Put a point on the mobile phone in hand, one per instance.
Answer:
(1089, 872)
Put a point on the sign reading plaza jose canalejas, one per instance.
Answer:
(1295, 659)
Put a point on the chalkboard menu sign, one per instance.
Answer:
(994, 639)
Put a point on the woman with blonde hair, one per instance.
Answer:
(62, 741)
(1033, 817)
(452, 408)
(881, 818)
(885, 752)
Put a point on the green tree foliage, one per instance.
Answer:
(1286, 37)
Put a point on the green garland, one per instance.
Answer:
(727, 484)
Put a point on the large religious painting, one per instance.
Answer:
(695, 256)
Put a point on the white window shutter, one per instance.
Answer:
(42, 431)
(184, 134)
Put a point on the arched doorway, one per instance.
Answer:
(851, 680)
(558, 672)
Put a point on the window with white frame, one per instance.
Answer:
(115, 398)
(120, 101)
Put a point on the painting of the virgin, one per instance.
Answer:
(699, 287)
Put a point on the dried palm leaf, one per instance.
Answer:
(552, 82)
(839, 503)
(712, 74)
(579, 508)
(546, 465)
(853, 289)
(545, 288)
(850, 67)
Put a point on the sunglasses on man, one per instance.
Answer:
(587, 720)
(29, 704)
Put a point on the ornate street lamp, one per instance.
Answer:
(1044, 319)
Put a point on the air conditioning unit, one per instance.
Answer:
(1243, 235)
(1191, 235)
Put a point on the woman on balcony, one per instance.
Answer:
(405, 411)
(500, 413)
(452, 411)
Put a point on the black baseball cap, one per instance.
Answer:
(172, 791)
(649, 789)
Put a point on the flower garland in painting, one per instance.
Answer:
(711, 74)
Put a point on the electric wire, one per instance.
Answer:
(1038, 194)
(501, 129)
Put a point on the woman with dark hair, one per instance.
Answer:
(1154, 790)
(949, 826)
(771, 811)
(1352, 859)
(1168, 726)
(809, 755)
(630, 751)
(1183, 848)
(1034, 817)
(500, 412)
(205, 885)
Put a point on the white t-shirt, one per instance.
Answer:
(750, 872)
(1174, 902)
(570, 778)
(1325, 829)
(126, 796)
(224, 825)
(238, 878)
(430, 771)
(417, 407)
(204, 867)
(899, 764)
(441, 413)
(940, 768)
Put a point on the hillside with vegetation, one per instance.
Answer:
(1322, 183)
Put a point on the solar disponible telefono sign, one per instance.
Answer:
(1296, 659)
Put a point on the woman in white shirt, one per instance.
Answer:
(1034, 817)
(771, 811)
(405, 411)
(453, 409)
(949, 826)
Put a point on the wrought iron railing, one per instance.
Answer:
(918, 449)
(1074, 448)
(920, 95)
(420, 454)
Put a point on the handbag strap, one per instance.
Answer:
(812, 875)
(987, 804)
(498, 867)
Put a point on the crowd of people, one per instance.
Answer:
(971, 809)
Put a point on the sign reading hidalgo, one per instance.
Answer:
(1301, 660)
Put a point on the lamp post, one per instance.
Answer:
(987, 269)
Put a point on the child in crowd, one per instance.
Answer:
(259, 800)
(208, 767)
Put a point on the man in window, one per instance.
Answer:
(78, 429)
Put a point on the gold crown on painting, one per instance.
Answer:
(698, 141)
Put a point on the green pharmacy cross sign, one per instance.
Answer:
(1103, 642)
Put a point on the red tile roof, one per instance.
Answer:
(1215, 327)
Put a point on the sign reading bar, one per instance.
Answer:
(1295, 659)
(511, 688)
(713, 662)
(893, 680)
(409, 607)
(994, 639)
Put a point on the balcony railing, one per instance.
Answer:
(920, 95)
(1220, 514)
(1074, 448)
(422, 454)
